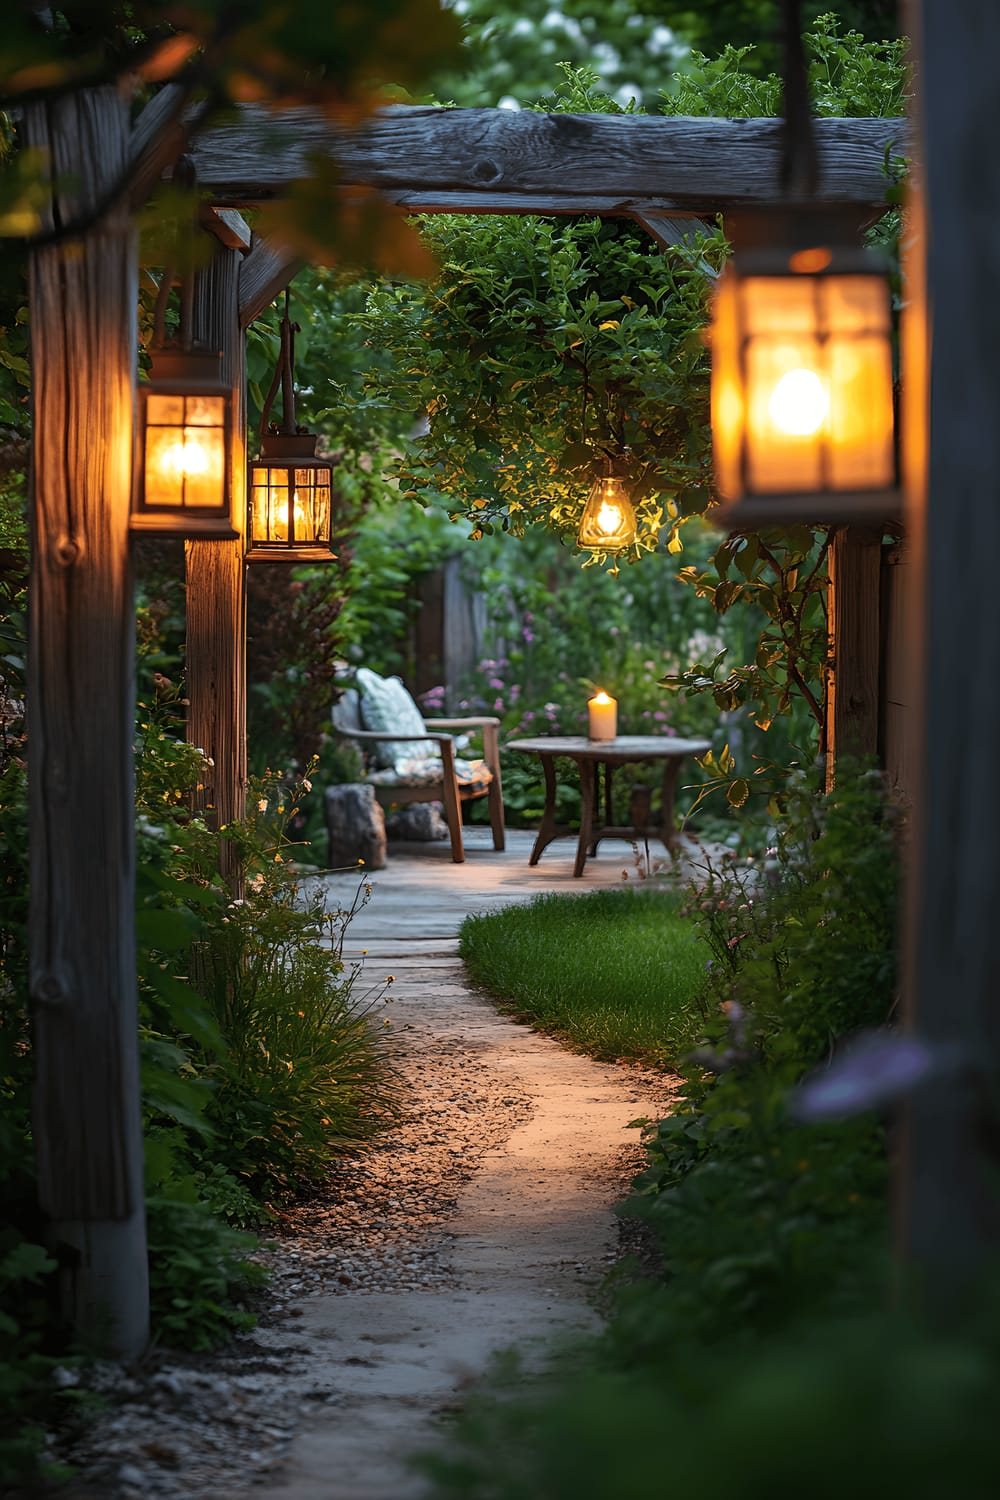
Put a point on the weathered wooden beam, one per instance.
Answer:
(87, 1123)
(498, 160)
(229, 227)
(950, 1206)
(158, 135)
(265, 272)
(855, 569)
(216, 577)
(671, 229)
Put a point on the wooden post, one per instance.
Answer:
(852, 705)
(950, 1212)
(87, 1122)
(216, 576)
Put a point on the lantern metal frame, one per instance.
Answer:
(801, 239)
(288, 451)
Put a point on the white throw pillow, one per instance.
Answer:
(386, 705)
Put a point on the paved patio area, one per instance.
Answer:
(422, 896)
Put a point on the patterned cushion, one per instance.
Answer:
(386, 705)
(421, 771)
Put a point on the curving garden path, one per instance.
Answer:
(482, 1220)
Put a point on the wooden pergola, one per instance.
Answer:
(664, 173)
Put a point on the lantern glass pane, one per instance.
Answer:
(277, 508)
(862, 454)
(164, 411)
(303, 516)
(788, 404)
(184, 460)
(163, 467)
(205, 411)
(727, 387)
(778, 304)
(321, 505)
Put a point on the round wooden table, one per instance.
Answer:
(589, 756)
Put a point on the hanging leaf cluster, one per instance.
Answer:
(540, 349)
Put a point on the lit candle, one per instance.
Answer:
(603, 712)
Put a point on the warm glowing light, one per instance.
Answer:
(609, 518)
(187, 459)
(601, 697)
(799, 404)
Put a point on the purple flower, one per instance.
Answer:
(660, 717)
(496, 682)
(527, 634)
(498, 706)
(870, 1070)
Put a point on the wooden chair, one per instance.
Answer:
(391, 787)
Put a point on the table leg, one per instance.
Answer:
(547, 830)
(588, 795)
(668, 833)
(592, 848)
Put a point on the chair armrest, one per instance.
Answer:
(489, 727)
(461, 723)
(392, 734)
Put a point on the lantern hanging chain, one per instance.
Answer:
(799, 162)
(284, 375)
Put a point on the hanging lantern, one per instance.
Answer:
(608, 520)
(802, 390)
(802, 393)
(182, 454)
(290, 512)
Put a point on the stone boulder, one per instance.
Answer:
(420, 822)
(355, 824)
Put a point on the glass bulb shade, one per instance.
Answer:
(183, 448)
(608, 520)
(802, 398)
(290, 509)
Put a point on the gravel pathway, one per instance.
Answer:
(481, 1220)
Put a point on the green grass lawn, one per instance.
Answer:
(613, 973)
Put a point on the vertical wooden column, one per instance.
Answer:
(87, 1122)
(216, 576)
(852, 705)
(950, 1217)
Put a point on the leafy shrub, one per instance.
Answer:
(197, 1266)
(304, 1072)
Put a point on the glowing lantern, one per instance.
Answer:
(182, 455)
(290, 510)
(608, 520)
(802, 389)
(290, 514)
